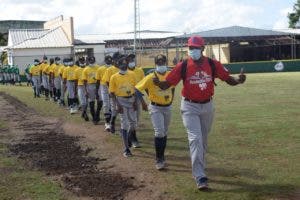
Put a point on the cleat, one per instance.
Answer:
(160, 165)
(127, 153)
(107, 127)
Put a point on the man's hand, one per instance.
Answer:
(144, 106)
(242, 76)
(119, 109)
(134, 104)
(155, 79)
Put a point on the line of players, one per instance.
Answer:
(116, 88)
(10, 74)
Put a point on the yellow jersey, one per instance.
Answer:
(79, 76)
(139, 73)
(156, 94)
(100, 72)
(69, 73)
(89, 74)
(43, 66)
(56, 69)
(122, 85)
(108, 73)
(51, 68)
(35, 70)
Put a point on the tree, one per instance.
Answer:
(295, 15)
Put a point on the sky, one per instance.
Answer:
(117, 16)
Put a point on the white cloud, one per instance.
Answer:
(282, 22)
(117, 15)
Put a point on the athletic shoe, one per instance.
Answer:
(202, 184)
(112, 129)
(73, 110)
(160, 165)
(136, 144)
(107, 127)
(127, 153)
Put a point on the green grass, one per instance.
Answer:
(253, 150)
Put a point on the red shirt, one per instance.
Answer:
(198, 84)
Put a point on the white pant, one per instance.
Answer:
(36, 84)
(82, 95)
(197, 119)
(160, 118)
(128, 117)
(105, 98)
(71, 89)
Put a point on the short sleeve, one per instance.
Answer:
(143, 84)
(174, 76)
(221, 71)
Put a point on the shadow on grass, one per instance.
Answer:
(258, 191)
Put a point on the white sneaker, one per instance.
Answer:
(160, 165)
(136, 145)
(72, 111)
(107, 127)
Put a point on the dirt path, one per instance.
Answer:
(79, 156)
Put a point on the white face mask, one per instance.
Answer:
(123, 71)
(195, 54)
(131, 65)
(107, 65)
(161, 69)
(70, 64)
(35, 63)
(92, 65)
(57, 62)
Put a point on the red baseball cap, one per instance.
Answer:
(196, 41)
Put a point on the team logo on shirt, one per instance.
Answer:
(201, 78)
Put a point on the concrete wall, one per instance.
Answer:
(23, 57)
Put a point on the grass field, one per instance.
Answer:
(254, 147)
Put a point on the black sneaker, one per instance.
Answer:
(202, 184)
(127, 153)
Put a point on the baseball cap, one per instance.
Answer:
(196, 41)
(160, 59)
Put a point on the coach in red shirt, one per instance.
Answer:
(198, 73)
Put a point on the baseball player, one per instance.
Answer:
(56, 79)
(139, 75)
(198, 73)
(160, 107)
(103, 91)
(89, 78)
(51, 78)
(44, 66)
(35, 77)
(106, 80)
(70, 83)
(62, 73)
(121, 89)
(81, 88)
(29, 83)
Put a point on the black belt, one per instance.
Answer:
(200, 102)
(161, 105)
(127, 97)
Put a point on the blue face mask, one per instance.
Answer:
(131, 65)
(195, 54)
(161, 69)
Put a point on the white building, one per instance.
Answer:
(55, 39)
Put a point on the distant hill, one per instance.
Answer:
(5, 25)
